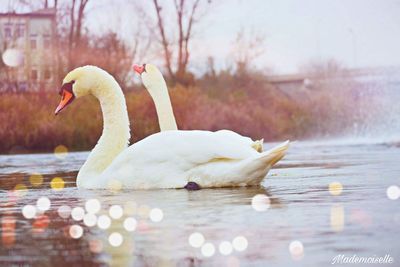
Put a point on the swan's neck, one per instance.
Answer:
(116, 131)
(165, 114)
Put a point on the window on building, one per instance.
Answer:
(46, 42)
(34, 74)
(7, 31)
(20, 30)
(33, 43)
(47, 74)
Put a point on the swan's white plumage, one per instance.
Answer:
(169, 159)
(155, 84)
(173, 158)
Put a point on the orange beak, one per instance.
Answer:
(66, 99)
(139, 69)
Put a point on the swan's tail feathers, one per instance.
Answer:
(275, 154)
(248, 171)
(257, 168)
(258, 145)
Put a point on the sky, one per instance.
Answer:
(356, 33)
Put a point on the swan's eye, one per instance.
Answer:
(66, 87)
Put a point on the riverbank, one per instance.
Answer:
(257, 110)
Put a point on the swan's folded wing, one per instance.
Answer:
(186, 149)
(197, 146)
(165, 157)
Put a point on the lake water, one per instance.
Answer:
(307, 223)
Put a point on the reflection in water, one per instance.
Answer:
(337, 217)
(322, 200)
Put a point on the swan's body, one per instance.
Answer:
(169, 159)
(172, 159)
(155, 84)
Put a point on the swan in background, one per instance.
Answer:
(155, 84)
(168, 159)
(158, 90)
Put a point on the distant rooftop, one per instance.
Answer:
(45, 12)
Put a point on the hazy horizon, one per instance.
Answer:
(296, 32)
(356, 33)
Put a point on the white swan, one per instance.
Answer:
(157, 87)
(155, 84)
(169, 159)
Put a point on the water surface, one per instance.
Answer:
(360, 220)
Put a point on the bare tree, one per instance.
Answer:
(177, 52)
(211, 67)
(111, 53)
(248, 46)
(76, 13)
(139, 46)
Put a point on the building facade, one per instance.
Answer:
(33, 36)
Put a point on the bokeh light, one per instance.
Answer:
(142, 226)
(116, 211)
(77, 213)
(156, 215)
(240, 243)
(130, 208)
(260, 202)
(337, 218)
(20, 190)
(8, 222)
(90, 219)
(95, 246)
(57, 183)
(130, 224)
(8, 237)
(115, 239)
(92, 206)
(335, 188)
(296, 249)
(103, 222)
(43, 204)
(8, 231)
(40, 224)
(208, 250)
(64, 211)
(75, 231)
(61, 151)
(196, 240)
(143, 211)
(225, 248)
(233, 261)
(29, 211)
(361, 217)
(36, 179)
(393, 192)
(13, 57)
